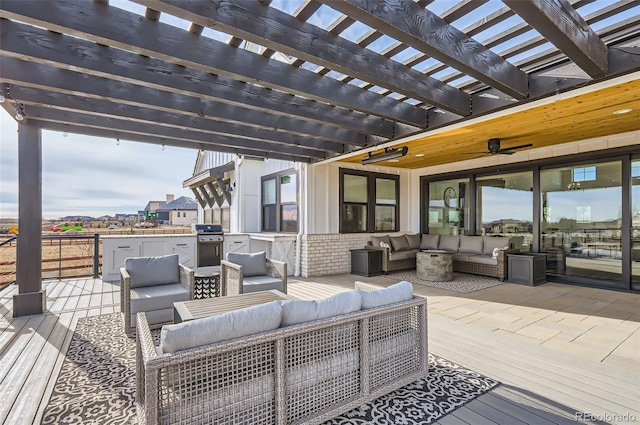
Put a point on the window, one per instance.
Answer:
(280, 202)
(369, 202)
(584, 174)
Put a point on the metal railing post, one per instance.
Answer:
(96, 256)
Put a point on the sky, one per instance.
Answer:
(93, 176)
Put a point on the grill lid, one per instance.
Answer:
(208, 229)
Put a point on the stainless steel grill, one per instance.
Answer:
(210, 238)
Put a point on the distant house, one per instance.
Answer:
(180, 212)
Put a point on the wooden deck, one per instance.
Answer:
(559, 350)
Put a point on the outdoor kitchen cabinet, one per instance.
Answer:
(115, 249)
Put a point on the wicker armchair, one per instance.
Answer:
(234, 278)
(152, 285)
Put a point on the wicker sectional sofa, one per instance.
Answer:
(302, 373)
(483, 255)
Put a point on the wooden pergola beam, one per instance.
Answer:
(433, 36)
(172, 45)
(563, 26)
(284, 33)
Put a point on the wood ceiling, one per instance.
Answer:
(313, 80)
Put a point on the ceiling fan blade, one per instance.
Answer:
(517, 147)
(505, 152)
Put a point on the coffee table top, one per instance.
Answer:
(196, 309)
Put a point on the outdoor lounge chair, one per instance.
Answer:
(152, 285)
(242, 273)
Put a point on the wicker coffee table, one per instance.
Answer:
(434, 266)
(196, 309)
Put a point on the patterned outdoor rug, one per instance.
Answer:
(461, 282)
(97, 384)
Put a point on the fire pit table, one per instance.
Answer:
(434, 265)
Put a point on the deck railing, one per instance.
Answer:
(62, 256)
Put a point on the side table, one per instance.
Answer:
(366, 262)
(206, 282)
(434, 266)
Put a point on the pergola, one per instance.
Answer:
(298, 80)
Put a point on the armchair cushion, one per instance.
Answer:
(400, 291)
(399, 243)
(234, 324)
(254, 264)
(152, 271)
(299, 311)
(261, 283)
(157, 297)
(429, 241)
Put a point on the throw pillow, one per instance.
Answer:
(384, 245)
(399, 243)
(254, 264)
(401, 291)
(429, 241)
(495, 253)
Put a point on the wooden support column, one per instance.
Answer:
(31, 297)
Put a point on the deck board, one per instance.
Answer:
(540, 384)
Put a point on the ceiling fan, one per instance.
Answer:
(493, 146)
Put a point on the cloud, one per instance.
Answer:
(84, 175)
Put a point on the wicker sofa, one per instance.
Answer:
(483, 255)
(304, 373)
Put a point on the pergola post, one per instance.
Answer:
(31, 297)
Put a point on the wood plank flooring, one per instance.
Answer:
(558, 350)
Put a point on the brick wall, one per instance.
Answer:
(329, 253)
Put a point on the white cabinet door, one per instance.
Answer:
(113, 257)
(153, 247)
(236, 243)
(186, 250)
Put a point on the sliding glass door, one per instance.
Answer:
(635, 224)
(448, 210)
(581, 221)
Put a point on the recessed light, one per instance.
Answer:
(394, 160)
(622, 111)
(419, 154)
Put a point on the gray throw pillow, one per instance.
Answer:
(414, 241)
(449, 243)
(399, 243)
(254, 264)
(152, 271)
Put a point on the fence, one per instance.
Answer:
(62, 256)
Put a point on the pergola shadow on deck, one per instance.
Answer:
(562, 353)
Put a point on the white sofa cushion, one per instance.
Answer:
(299, 311)
(152, 271)
(471, 244)
(401, 291)
(253, 264)
(449, 243)
(234, 324)
(429, 241)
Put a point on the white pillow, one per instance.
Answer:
(384, 245)
(299, 311)
(495, 253)
(401, 291)
(234, 324)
